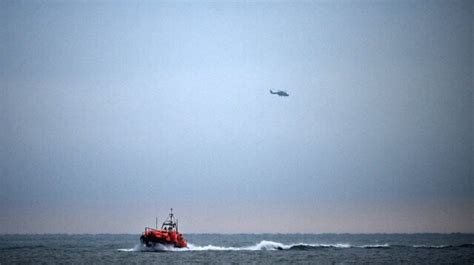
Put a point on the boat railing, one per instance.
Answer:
(154, 229)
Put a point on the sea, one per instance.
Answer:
(241, 249)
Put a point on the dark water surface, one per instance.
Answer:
(243, 248)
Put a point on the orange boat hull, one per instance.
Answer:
(153, 236)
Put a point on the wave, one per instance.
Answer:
(445, 246)
(263, 245)
(270, 245)
(376, 246)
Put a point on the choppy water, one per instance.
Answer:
(243, 248)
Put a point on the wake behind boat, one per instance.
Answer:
(167, 235)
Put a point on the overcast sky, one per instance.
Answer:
(111, 113)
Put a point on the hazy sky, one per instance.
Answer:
(111, 113)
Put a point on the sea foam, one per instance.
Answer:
(263, 245)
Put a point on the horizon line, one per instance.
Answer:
(194, 233)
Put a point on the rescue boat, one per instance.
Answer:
(167, 235)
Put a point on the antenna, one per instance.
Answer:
(156, 223)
